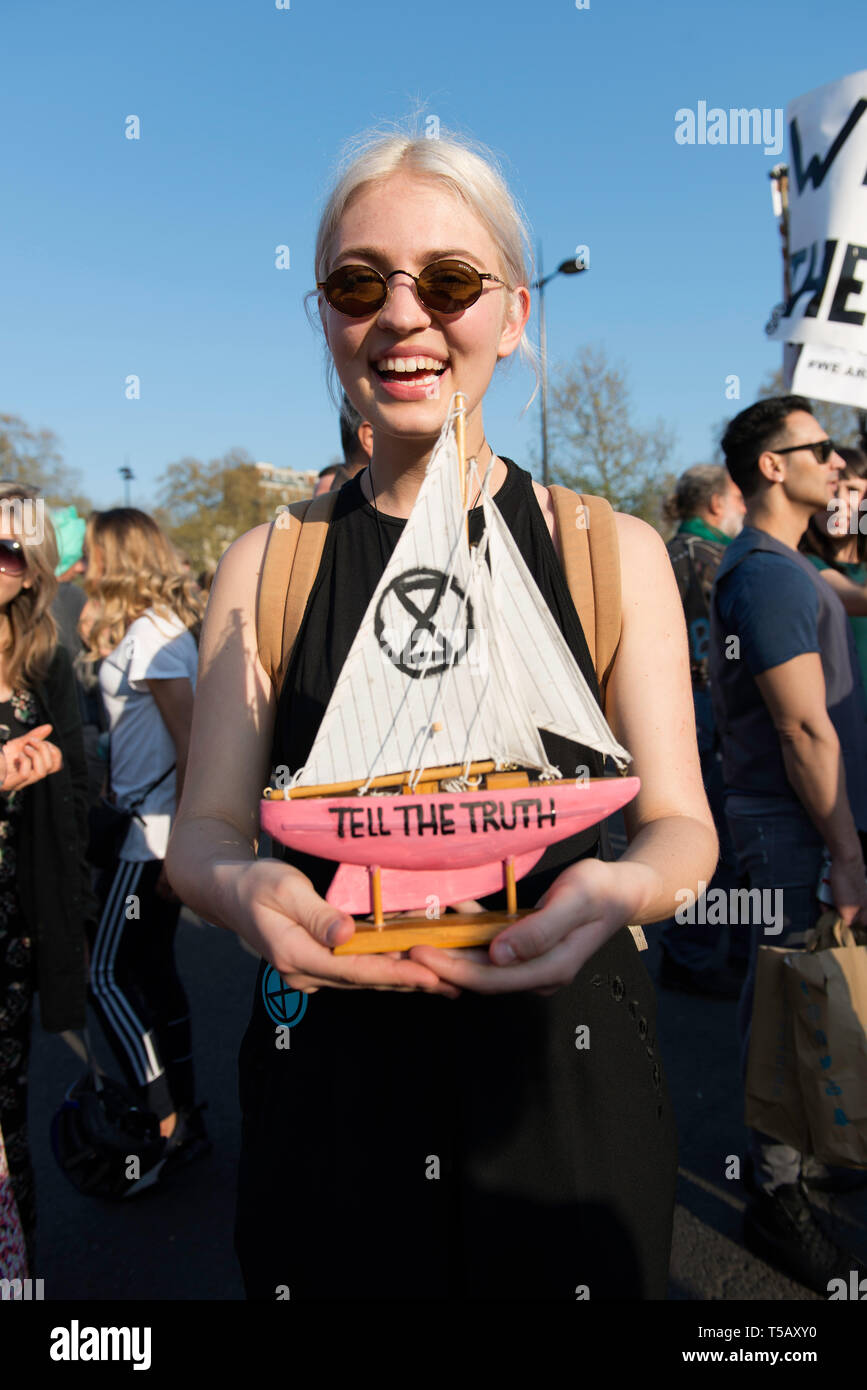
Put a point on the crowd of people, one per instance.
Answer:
(781, 718)
(747, 725)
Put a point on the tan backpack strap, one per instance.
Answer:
(590, 555)
(291, 562)
(607, 601)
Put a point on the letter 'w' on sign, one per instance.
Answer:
(817, 168)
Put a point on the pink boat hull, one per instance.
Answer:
(450, 845)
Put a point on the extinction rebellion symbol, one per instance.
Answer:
(284, 1005)
(424, 622)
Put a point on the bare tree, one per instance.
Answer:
(203, 507)
(596, 445)
(33, 456)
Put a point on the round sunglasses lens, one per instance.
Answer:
(449, 286)
(355, 290)
(12, 560)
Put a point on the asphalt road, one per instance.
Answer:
(177, 1244)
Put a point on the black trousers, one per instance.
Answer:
(135, 987)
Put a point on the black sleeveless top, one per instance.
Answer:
(406, 1145)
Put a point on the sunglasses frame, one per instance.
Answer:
(377, 308)
(827, 446)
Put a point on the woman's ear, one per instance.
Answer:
(514, 321)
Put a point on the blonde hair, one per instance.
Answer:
(468, 170)
(32, 629)
(140, 569)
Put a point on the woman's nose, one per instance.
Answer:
(403, 306)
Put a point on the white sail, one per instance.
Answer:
(540, 663)
(453, 663)
(423, 684)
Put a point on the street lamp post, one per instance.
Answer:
(570, 267)
(127, 474)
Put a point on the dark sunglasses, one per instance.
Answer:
(822, 449)
(12, 561)
(445, 286)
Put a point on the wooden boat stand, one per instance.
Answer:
(401, 931)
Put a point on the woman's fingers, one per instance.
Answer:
(589, 892)
(326, 924)
(19, 765)
(550, 971)
(297, 929)
(367, 971)
(41, 731)
(30, 757)
(45, 757)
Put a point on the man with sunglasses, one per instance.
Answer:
(791, 711)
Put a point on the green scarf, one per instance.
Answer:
(696, 527)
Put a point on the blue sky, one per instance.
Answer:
(156, 256)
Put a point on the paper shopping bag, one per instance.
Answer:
(827, 988)
(773, 1098)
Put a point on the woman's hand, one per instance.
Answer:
(29, 758)
(276, 910)
(544, 951)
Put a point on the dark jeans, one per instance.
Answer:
(779, 850)
(696, 944)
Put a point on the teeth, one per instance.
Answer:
(410, 364)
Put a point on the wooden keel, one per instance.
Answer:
(399, 934)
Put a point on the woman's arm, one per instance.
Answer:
(174, 700)
(854, 596)
(673, 844)
(211, 860)
(650, 709)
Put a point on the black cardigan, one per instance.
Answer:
(53, 875)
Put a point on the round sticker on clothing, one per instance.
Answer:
(284, 1005)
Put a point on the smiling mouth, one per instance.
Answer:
(422, 370)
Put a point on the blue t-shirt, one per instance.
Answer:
(768, 606)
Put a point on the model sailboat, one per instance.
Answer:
(419, 781)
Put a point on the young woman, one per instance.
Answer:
(44, 882)
(836, 544)
(140, 621)
(433, 1130)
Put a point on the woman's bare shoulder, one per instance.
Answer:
(247, 549)
(635, 534)
(235, 588)
(646, 575)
